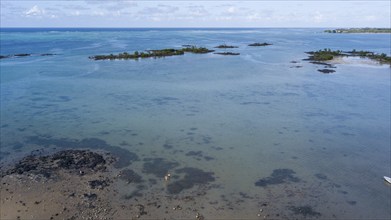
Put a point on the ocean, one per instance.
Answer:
(264, 129)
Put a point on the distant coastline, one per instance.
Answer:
(359, 30)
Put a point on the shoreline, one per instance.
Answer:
(346, 60)
(52, 187)
(37, 187)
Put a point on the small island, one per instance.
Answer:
(25, 55)
(224, 46)
(195, 49)
(328, 54)
(359, 30)
(15, 55)
(153, 53)
(259, 44)
(326, 71)
(22, 55)
(228, 53)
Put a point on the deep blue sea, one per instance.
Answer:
(270, 127)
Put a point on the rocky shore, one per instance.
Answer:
(80, 183)
(69, 184)
(85, 184)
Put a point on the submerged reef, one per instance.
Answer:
(130, 176)
(227, 53)
(76, 161)
(193, 176)
(158, 166)
(124, 157)
(306, 211)
(153, 53)
(278, 176)
(326, 71)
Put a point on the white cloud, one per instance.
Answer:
(318, 17)
(158, 13)
(75, 13)
(117, 13)
(231, 10)
(194, 13)
(197, 10)
(73, 7)
(38, 12)
(370, 18)
(35, 11)
(111, 5)
(98, 13)
(236, 13)
(254, 17)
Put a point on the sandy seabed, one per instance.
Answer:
(83, 184)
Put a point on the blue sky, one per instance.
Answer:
(123, 13)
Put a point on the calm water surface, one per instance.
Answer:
(270, 132)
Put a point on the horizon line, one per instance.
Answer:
(191, 27)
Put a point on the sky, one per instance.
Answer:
(145, 13)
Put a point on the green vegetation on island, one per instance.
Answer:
(259, 44)
(136, 55)
(382, 58)
(153, 53)
(224, 46)
(194, 49)
(359, 30)
(323, 55)
(328, 54)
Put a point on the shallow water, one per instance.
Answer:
(310, 139)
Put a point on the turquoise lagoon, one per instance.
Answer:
(276, 134)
